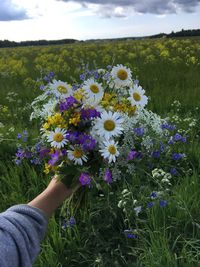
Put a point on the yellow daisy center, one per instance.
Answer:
(77, 153)
(58, 137)
(109, 125)
(136, 96)
(122, 74)
(112, 149)
(94, 88)
(62, 89)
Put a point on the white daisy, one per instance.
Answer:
(93, 90)
(121, 76)
(137, 97)
(60, 89)
(110, 124)
(57, 138)
(77, 155)
(109, 151)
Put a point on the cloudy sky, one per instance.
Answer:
(59, 19)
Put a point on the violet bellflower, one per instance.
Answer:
(85, 179)
(108, 177)
(68, 103)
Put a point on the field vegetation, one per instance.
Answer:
(166, 235)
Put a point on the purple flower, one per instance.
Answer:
(109, 67)
(20, 154)
(156, 154)
(35, 161)
(132, 155)
(82, 77)
(150, 205)
(168, 126)
(51, 74)
(87, 114)
(108, 177)
(85, 179)
(42, 87)
(18, 161)
(139, 131)
(153, 195)
(46, 78)
(171, 141)
(163, 203)
(96, 75)
(177, 137)
(87, 142)
(69, 103)
(173, 171)
(25, 132)
(72, 136)
(43, 153)
(136, 81)
(71, 222)
(54, 158)
(19, 136)
(177, 156)
(129, 233)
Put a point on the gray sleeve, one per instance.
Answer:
(22, 228)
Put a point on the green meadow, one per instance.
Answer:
(169, 71)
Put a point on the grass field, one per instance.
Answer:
(169, 70)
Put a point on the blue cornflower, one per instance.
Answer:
(19, 136)
(139, 131)
(163, 203)
(25, 132)
(154, 195)
(82, 76)
(177, 156)
(17, 161)
(150, 204)
(35, 161)
(173, 171)
(171, 141)
(129, 233)
(71, 222)
(51, 74)
(168, 126)
(42, 87)
(156, 154)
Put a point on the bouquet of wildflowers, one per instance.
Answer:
(100, 130)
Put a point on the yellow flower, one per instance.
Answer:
(46, 125)
(47, 168)
(79, 94)
(75, 119)
(57, 120)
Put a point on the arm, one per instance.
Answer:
(51, 197)
(22, 227)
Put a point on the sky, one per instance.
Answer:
(22, 20)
